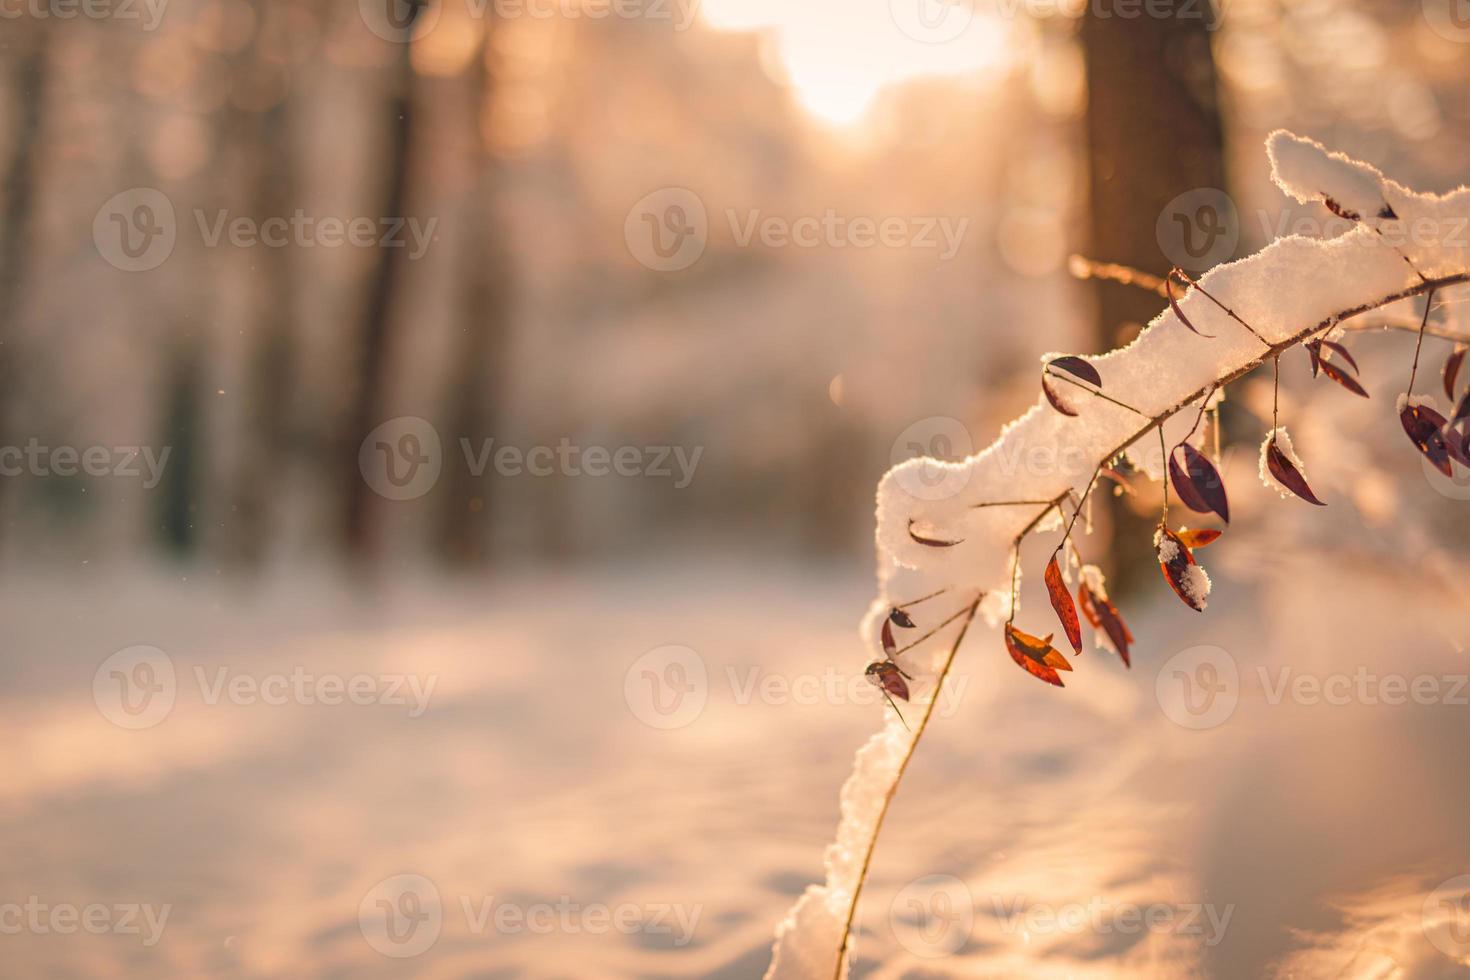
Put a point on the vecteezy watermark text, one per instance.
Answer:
(129, 462)
(148, 12)
(403, 915)
(40, 918)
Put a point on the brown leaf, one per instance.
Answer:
(886, 635)
(898, 617)
(1037, 656)
(928, 541)
(1426, 427)
(1176, 560)
(1341, 211)
(1463, 411)
(1452, 370)
(1103, 615)
(1061, 601)
(1314, 350)
(1198, 482)
(1174, 305)
(889, 678)
(1343, 378)
(1077, 367)
(1053, 396)
(1458, 446)
(1288, 475)
(1200, 537)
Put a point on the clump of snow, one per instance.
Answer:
(1196, 585)
(1305, 169)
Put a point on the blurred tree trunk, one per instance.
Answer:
(20, 176)
(1153, 133)
(368, 398)
(483, 283)
(181, 427)
(266, 448)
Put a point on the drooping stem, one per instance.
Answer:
(1428, 302)
(923, 723)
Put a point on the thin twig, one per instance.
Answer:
(898, 779)
(1428, 302)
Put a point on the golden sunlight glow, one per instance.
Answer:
(838, 56)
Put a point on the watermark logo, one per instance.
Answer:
(399, 21)
(136, 230)
(1198, 229)
(932, 21)
(1446, 918)
(402, 458)
(936, 439)
(401, 916)
(1198, 688)
(667, 231)
(933, 916)
(667, 687)
(1102, 916)
(135, 688)
(1450, 19)
(1455, 487)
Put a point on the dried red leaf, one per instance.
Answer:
(1035, 655)
(1463, 411)
(900, 618)
(1314, 350)
(889, 678)
(886, 635)
(1061, 601)
(1452, 370)
(1457, 444)
(1053, 396)
(1198, 482)
(930, 542)
(1174, 305)
(1288, 475)
(1341, 211)
(1426, 428)
(1077, 367)
(1340, 351)
(1200, 537)
(1103, 615)
(1175, 560)
(1343, 378)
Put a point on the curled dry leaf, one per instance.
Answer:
(1078, 368)
(1055, 397)
(890, 648)
(1036, 656)
(1452, 370)
(925, 536)
(1198, 482)
(1174, 305)
(1340, 351)
(1426, 428)
(889, 678)
(1181, 571)
(1200, 537)
(1285, 472)
(1103, 615)
(1457, 444)
(900, 618)
(1061, 601)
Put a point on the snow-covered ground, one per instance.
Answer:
(566, 832)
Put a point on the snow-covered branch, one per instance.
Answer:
(949, 534)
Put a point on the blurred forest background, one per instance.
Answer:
(522, 137)
(527, 139)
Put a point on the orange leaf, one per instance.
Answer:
(1200, 537)
(1037, 656)
(1061, 601)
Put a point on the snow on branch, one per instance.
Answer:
(949, 534)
